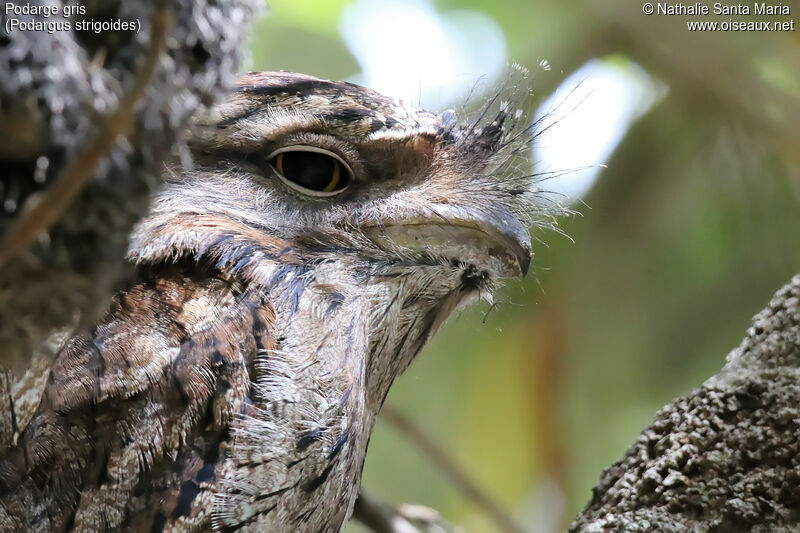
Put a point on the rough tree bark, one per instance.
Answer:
(87, 120)
(725, 457)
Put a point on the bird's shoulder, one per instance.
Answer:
(141, 399)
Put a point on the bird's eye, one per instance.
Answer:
(311, 170)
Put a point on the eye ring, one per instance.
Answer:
(309, 175)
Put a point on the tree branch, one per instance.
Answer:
(381, 517)
(725, 456)
(468, 487)
(54, 200)
(85, 142)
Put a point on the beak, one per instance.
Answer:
(493, 239)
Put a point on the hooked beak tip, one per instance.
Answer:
(494, 241)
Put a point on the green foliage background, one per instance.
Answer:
(686, 234)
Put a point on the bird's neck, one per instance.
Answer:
(365, 331)
(342, 333)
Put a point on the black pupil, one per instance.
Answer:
(309, 169)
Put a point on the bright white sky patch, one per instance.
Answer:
(589, 115)
(408, 50)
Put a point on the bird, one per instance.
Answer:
(290, 269)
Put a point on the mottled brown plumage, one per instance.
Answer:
(234, 386)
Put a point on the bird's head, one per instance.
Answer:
(332, 197)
